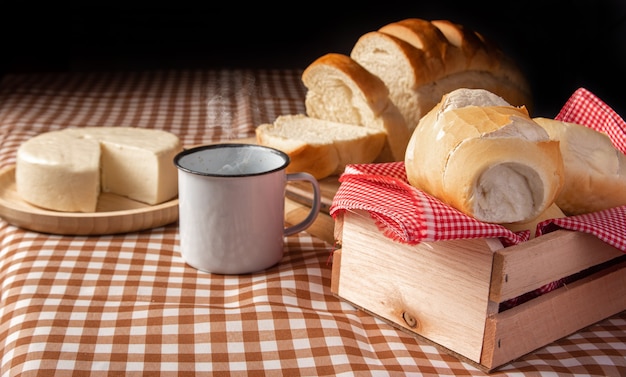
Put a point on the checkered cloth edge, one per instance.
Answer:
(406, 214)
(584, 108)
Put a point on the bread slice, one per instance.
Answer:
(420, 61)
(341, 90)
(487, 159)
(595, 171)
(321, 147)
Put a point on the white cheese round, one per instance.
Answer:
(66, 170)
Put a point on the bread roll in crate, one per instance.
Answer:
(595, 171)
(481, 291)
(488, 159)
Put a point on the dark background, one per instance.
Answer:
(560, 45)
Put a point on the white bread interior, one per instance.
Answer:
(420, 61)
(486, 158)
(320, 147)
(342, 91)
(595, 171)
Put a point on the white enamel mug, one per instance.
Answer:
(232, 206)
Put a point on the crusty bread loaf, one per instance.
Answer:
(595, 171)
(321, 147)
(420, 61)
(484, 157)
(342, 91)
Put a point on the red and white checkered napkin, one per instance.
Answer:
(583, 107)
(406, 214)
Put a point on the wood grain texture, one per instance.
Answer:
(438, 290)
(114, 213)
(302, 192)
(553, 256)
(518, 331)
(448, 292)
(321, 228)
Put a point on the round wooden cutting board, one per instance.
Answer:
(114, 214)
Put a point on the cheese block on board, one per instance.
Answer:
(485, 158)
(66, 170)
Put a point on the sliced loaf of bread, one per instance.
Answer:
(341, 90)
(321, 147)
(419, 61)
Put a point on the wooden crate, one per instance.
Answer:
(449, 292)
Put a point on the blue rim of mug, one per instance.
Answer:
(186, 152)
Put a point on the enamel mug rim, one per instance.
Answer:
(180, 163)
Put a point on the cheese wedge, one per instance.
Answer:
(66, 170)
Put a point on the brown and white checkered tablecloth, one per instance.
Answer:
(128, 305)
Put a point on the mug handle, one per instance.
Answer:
(315, 206)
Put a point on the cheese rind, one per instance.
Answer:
(66, 170)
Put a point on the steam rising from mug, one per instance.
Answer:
(232, 160)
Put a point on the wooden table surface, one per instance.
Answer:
(322, 228)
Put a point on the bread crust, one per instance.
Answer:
(321, 148)
(341, 90)
(472, 50)
(372, 89)
(434, 49)
(443, 56)
(595, 171)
